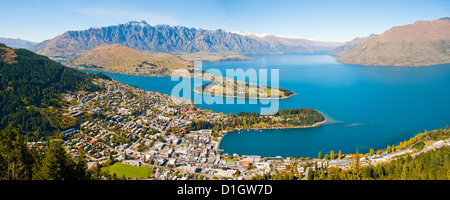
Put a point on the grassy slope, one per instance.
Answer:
(118, 57)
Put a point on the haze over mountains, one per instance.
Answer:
(143, 37)
(419, 44)
(291, 44)
(17, 43)
(350, 45)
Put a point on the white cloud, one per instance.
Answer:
(129, 15)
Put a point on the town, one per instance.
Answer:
(142, 128)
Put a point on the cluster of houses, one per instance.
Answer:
(134, 119)
(144, 128)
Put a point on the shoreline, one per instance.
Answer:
(217, 58)
(317, 124)
(192, 77)
(224, 133)
(123, 72)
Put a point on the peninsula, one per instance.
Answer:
(287, 118)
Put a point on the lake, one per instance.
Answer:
(366, 106)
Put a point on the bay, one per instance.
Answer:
(366, 106)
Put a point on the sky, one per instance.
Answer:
(324, 20)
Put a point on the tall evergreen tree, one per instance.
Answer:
(81, 167)
(16, 159)
(56, 164)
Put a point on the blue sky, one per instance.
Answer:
(325, 20)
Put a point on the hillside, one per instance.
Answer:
(143, 37)
(350, 45)
(419, 44)
(118, 57)
(30, 91)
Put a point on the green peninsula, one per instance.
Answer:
(288, 118)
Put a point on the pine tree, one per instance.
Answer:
(16, 159)
(320, 155)
(96, 172)
(56, 164)
(81, 166)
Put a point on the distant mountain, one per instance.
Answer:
(143, 37)
(119, 57)
(17, 43)
(292, 44)
(350, 45)
(419, 44)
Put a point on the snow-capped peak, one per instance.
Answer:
(260, 35)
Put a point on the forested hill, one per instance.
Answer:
(31, 86)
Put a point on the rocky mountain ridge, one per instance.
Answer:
(143, 37)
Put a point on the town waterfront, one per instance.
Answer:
(366, 106)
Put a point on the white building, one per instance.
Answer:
(132, 162)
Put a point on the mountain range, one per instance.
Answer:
(291, 44)
(17, 43)
(420, 44)
(350, 45)
(143, 37)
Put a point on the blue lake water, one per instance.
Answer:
(366, 106)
